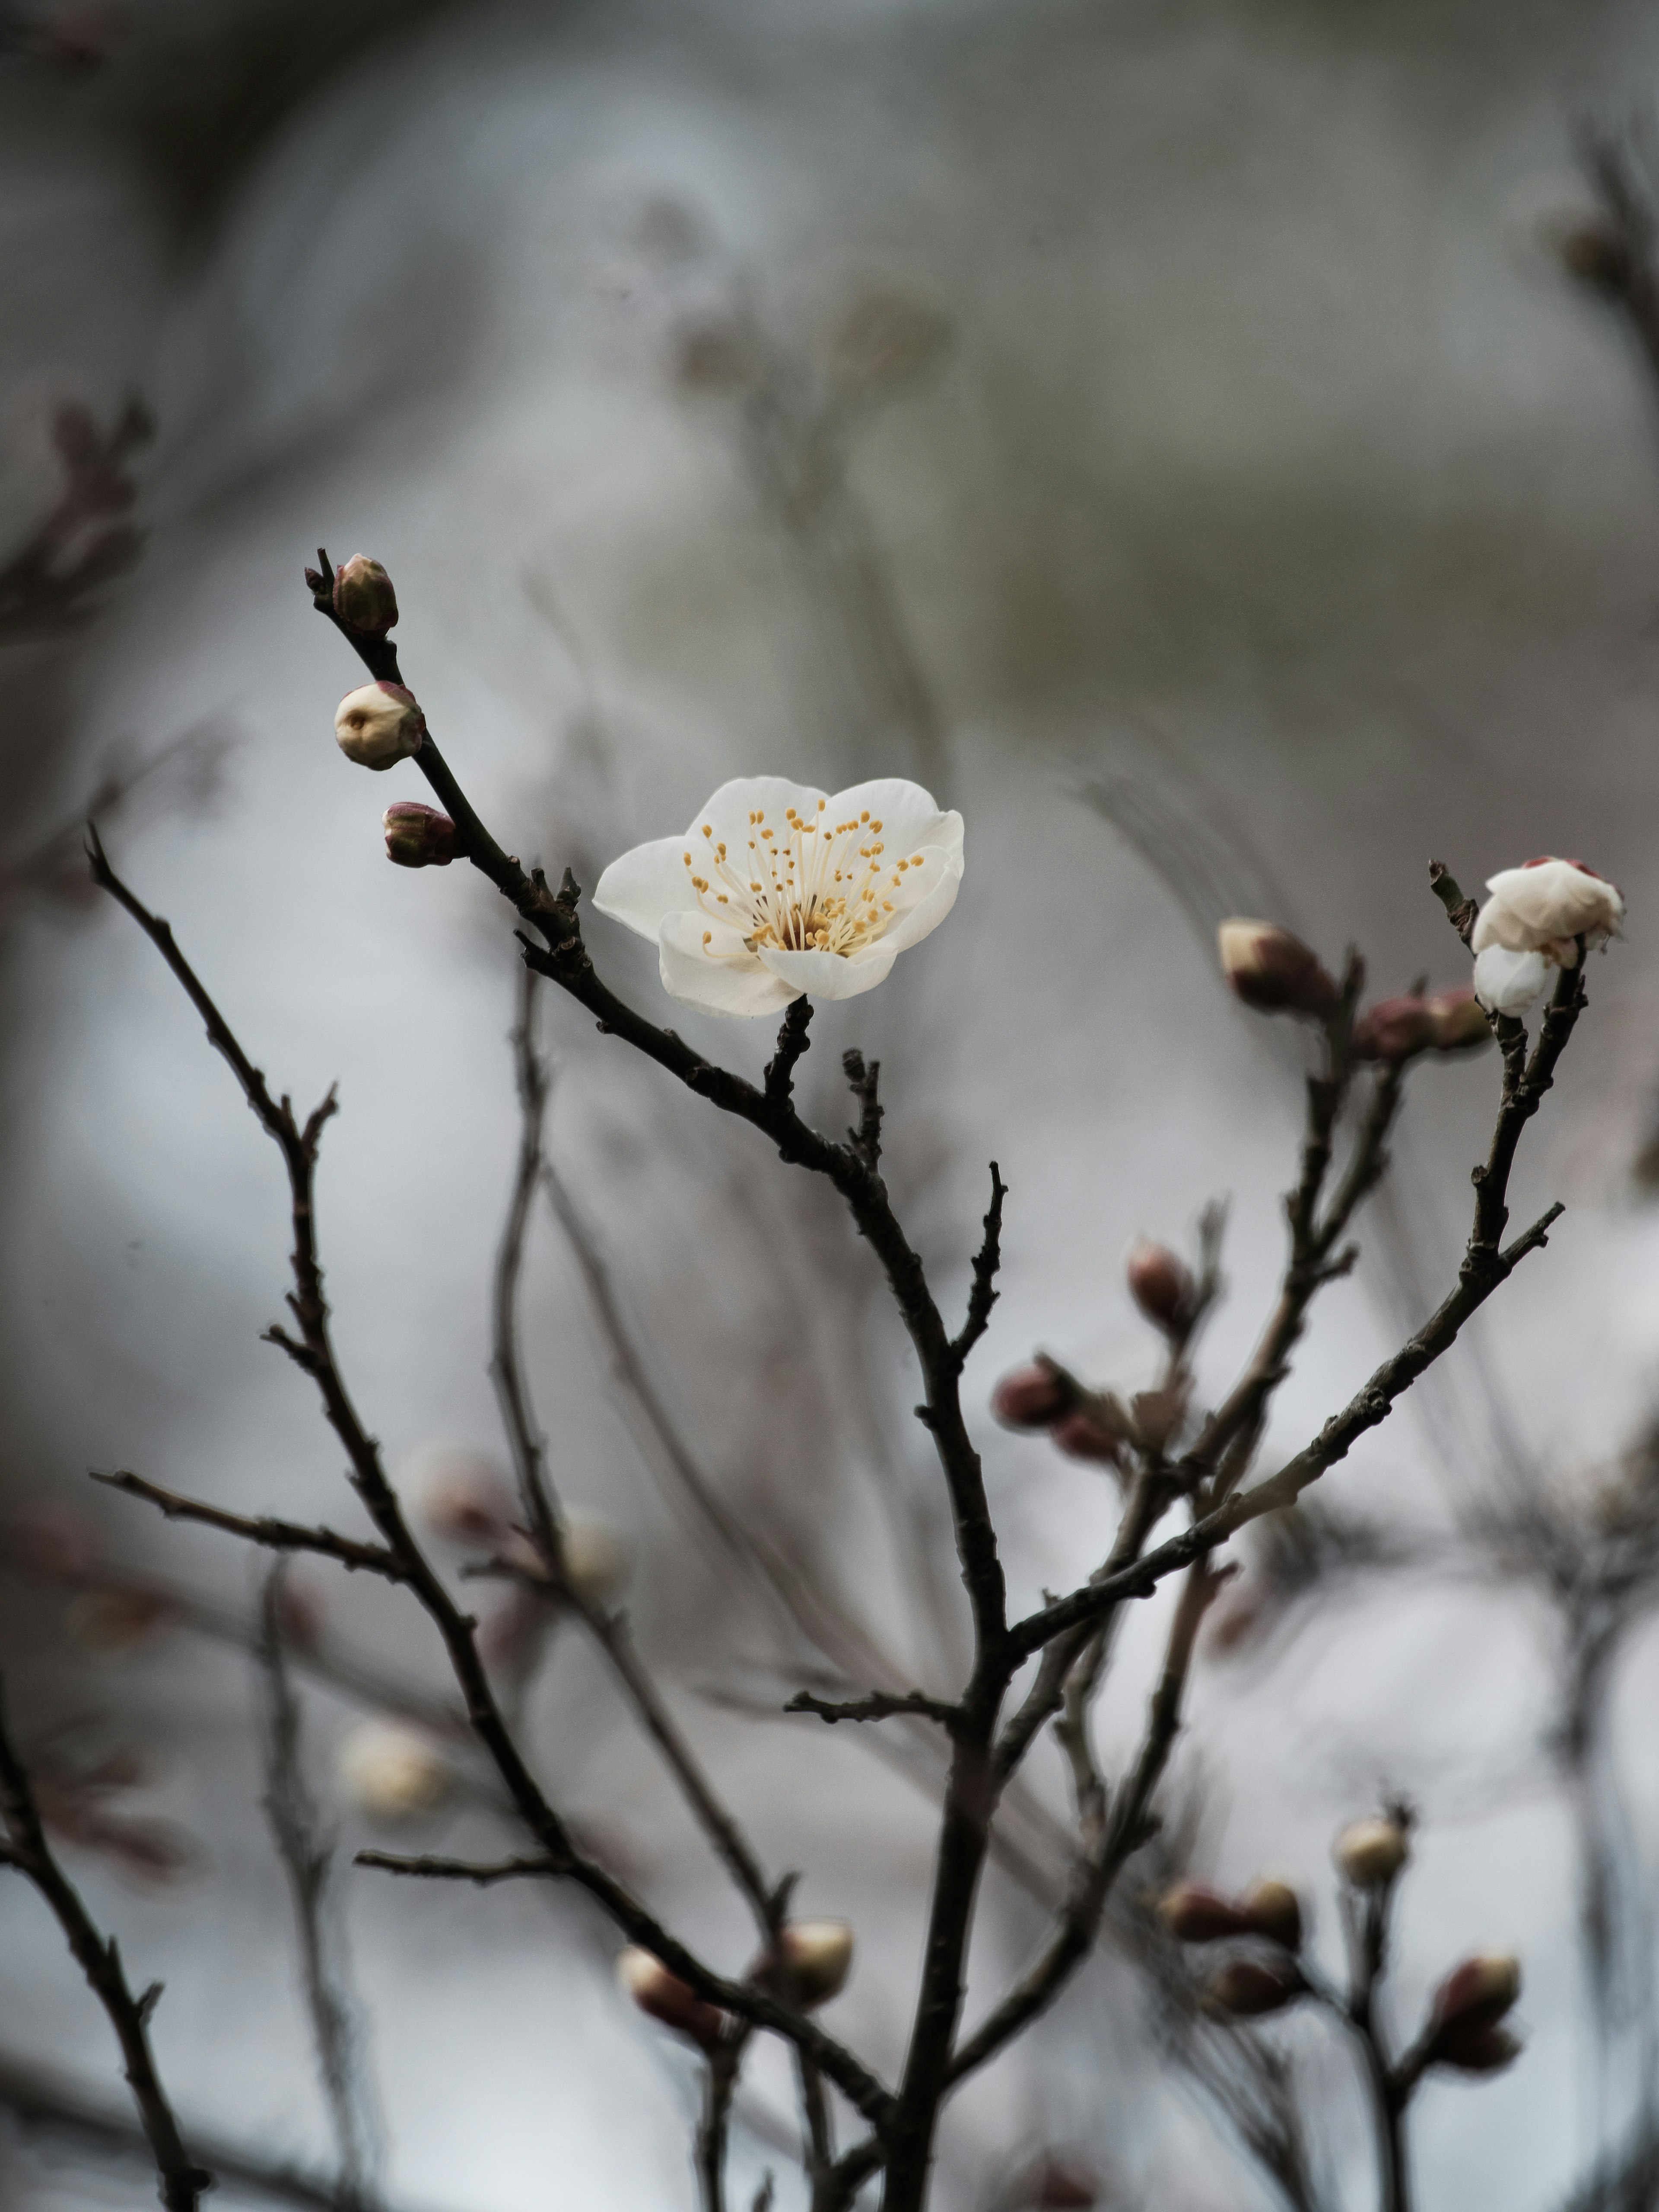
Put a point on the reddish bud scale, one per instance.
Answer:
(1247, 1989)
(1160, 1285)
(363, 597)
(1193, 1914)
(1479, 1991)
(418, 837)
(1033, 1397)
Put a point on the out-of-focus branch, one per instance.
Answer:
(307, 1859)
(312, 1352)
(50, 581)
(182, 2181)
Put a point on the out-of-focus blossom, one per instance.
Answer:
(392, 1772)
(418, 837)
(379, 725)
(817, 1957)
(1273, 1909)
(1033, 1397)
(777, 890)
(117, 1621)
(1394, 1030)
(463, 1497)
(1371, 1853)
(1161, 1286)
(884, 341)
(1246, 1988)
(363, 596)
(1463, 2024)
(1459, 1023)
(598, 1558)
(53, 1544)
(667, 1998)
(1273, 971)
(1507, 982)
(1193, 1914)
(1545, 906)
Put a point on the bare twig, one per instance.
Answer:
(182, 2181)
(877, 1706)
(273, 1535)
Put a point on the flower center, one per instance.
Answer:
(817, 887)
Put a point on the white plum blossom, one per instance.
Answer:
(392, 1772)
(1545, 906)
(1507, 982)
(778, 890)
(378, 724)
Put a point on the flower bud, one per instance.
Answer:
(1193, 1914)
(1545, 906)
(463, 1497)
(1246, 1989)
(597, 1558)
(1459, 1022)
(1273, 1909)
(1090, 1432)
(418, 837)
(664, 1998)
(392, 1772)
(378, 724)
(1463, 2025)
(1033, 1397)
(1063, 2186)
(816, 1957)
(363, 597)
(117, 1621)
(1394, 1030)
(1272, 971)
(1371, 1853)
(1507, 982)
(1161, 1286)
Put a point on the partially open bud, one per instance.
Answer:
(816, 1957)
(363, 596)
(378, 724)
(392, 1772)
(1394, 1030)
(1273, 1909)
(1193, 1914)
(1459, 1022)
(1463, 2029)
(1545, 906)
(597, 1558)
(1161, 1286)
(1273, 971)
(111, 1621)
(1371, 1853)
(667, 1998)
(418, 837)
(1507, 982)
(1033, 1397)
(1246, 1989)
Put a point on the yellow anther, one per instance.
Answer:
(708, 936)
(707, 829)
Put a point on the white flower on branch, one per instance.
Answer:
(777, 891)
(1545, 906)
(378, 724)
(1507, 982)
(391, 1772)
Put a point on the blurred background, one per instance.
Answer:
(1172, 434)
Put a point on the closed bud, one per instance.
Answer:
(816, 1957)
(664, 1998)
(1394, 1030)
(1033, 1397)
(378, 724)
(1161, 1286)
(1193, 1914)
(1272, 971)
(1096, 1429)
(1246, 1989)
(418, 837)
(1459, 1021)
(392, 1772)
(1371, 1853)
(1478, 1993)
(597, 1559)
(463, 1497)
(1273, 1909)
(1472, 2049)
(363, 597)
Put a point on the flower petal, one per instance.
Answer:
(908, 817)
(827, 975)
(639, 887)
(733, 984)
(1505, 980)
(930, 892)
(728, 811)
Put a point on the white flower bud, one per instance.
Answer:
(816, 1956)
(664, 1996)
(392, 1772)
(1371, 1853)
(1507, 982)
(597, 1559)
(378, 724)
(1544, 906)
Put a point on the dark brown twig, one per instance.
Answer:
(877, 1706)
(264, 1529)
(181, 2180)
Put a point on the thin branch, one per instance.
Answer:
(877, 1706)
(307, 1857)
(273, 1535)
(182, 2181)
(481, 1874)
(984, 1294)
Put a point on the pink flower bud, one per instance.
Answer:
(1459, 1022)
(664, 1998)
(1371, 1853)
(1193, 1914)
(1394, 1030)
(1273, 1909)
(816, 1957)
(378, 724)
(1479, 1991)
(1160, 1284)
(1272, 971)
(1247, 1989)
(1082, 1434)
(418, 837)
(363, 597)
(1033, 1397)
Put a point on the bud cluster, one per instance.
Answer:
(1396, 1029)
(1271, 1911)
(1463, 2029)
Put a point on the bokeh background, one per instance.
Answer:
(1169, 432)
